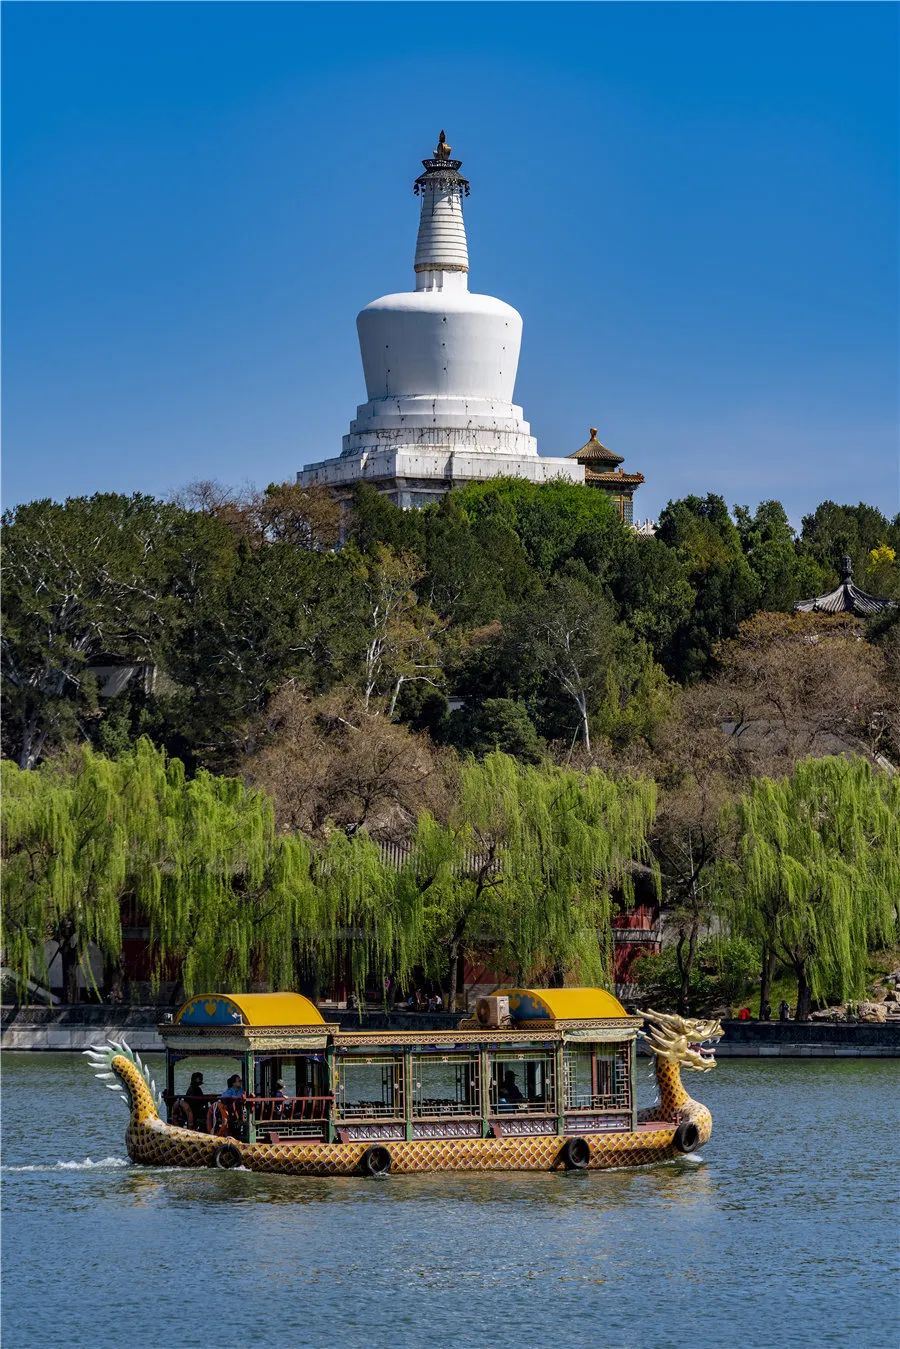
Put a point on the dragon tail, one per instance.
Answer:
(121, 1070)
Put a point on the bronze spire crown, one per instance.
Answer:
(441, 169)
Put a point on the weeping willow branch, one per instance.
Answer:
(818, 875)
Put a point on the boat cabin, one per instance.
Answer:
(564, 1064)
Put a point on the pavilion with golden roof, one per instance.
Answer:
(602, 468)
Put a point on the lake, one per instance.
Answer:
(782, 1233)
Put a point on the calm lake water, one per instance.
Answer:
(783, 1233)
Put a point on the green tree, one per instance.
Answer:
(227, 899)
(497, 724)
(569, 635)
(818, 873)
(83, 581)
(521, 876)
(783, 574)
(547, 518)
(832, 532)
(373, 520)
(706, 541)
(720, 976)
(281, 613)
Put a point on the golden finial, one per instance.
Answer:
(593, 433)
(443, 149)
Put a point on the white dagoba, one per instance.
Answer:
(440, 368)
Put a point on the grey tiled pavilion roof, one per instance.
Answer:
(846, 599)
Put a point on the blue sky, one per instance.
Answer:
(694, 207)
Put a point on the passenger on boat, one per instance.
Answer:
(281, 1099)
(509, 1091)
(232, 1102)
(195, 1099)
(195, 1090)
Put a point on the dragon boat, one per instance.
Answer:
(539, 1080)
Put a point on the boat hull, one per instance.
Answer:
(155, 1143)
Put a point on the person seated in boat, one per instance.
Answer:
(233, 1098)
(509, 1090)
(280, 1108)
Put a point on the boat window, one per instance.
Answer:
(522, 1083)
(369, 1088)
(597, 1077)
(445, 1084)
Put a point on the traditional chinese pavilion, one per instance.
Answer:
(846, 599)
(602, 469)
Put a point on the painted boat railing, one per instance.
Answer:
(285, 1109)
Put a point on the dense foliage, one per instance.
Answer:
(520, 874)
(509, 673)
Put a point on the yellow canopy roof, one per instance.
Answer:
(249, 1009)
(561, 1004)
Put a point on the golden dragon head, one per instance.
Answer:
(682, 1040)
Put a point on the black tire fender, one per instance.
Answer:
(575, 1154)
(687, 1136)
(376, 1161)
(227, 1157)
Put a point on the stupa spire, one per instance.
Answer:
(441, 244)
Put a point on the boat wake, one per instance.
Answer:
(105, 1163)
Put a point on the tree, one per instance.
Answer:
(801, 684)
(570, 636)
(328, 762)
(471, 573)
(521, 875)
(832, 532)
(546, 517)
(83, 581)
(307, 517)
(653, 596)
(228, 900)
(497, 724)
(719, 977)
(706, 541)
(783, 574)
(882, 574)
(200, 858)
(374, 521)
(693, 764)
(399, 632)
(818, 872)
(282, 613)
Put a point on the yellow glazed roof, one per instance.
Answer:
(249, 1009)
(561, 1004)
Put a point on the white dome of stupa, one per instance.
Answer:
(440, 369)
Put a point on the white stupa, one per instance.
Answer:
(440, 368)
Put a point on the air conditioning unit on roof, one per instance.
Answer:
(493, 1010)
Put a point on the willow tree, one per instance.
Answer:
(228, 900)
(522, 875)
(200, 859)
(818, 873)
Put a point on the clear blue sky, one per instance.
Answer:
(695, 208)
